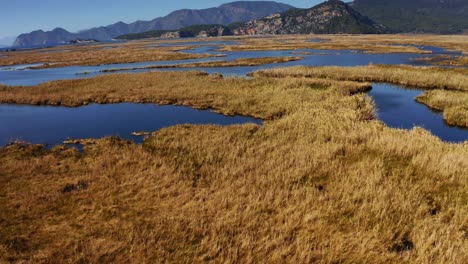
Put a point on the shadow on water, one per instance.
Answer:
(397, 108)
(52, 125)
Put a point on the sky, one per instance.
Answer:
(24, 16)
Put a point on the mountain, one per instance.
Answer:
(330, 17)
(417, 16)
(190, 31)
(225, 14)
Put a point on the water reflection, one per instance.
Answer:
(396, 107)
(52, 125)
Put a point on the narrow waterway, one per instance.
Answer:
(52, 125)
(397, 108)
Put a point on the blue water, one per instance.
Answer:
(52, 125)
(210, 43)
(316, 40)
(396, 107)
(331, 57)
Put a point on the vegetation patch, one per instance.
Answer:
(374, 43)
(320, 181)
(453, 104)
(211, 64)
(422, 77)
(95, 55)
(445, 60)
(450, 96)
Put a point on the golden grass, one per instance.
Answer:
(445, 60)
(322, 181)
(135, 51)
(164, 88)
(422, 77)
(257, 44)
(453, 104)
(220, 63)
(96, 55)
(385, 43)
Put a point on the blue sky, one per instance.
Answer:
(20, 16)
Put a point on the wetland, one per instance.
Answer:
(356, 145)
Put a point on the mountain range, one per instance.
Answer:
(330, 17)
(240, 11)
(266, 17)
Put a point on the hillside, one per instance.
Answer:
(222, 15)
(418, 16)
(330, 17)
(190, 31)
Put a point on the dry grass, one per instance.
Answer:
(220, 63)
(96, 55)
(258, 44)
(453, 104)
(135, 51)
(422, 77)
(322, 181)
(385, 43)
(182, 88)
(445, 60)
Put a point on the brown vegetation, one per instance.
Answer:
(454, 104)
(445, 60)
(220, 63)
(96, 55)
(385, 43)
(191, 88)
(255, 44)
(322, 181)
(422, 77)
(135, 51)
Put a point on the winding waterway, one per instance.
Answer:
(20, 75)
(396, 106)
(52, 125)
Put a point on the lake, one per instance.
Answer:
(396, 106)
(20, 75)
(52, 125)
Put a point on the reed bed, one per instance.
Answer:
(453, 103)
(385, 43)
(422, 77)
(95, 55)
(320, 181)
(220, 63)
(445, 60)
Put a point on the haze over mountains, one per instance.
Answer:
(360, 16)
(225, 14)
